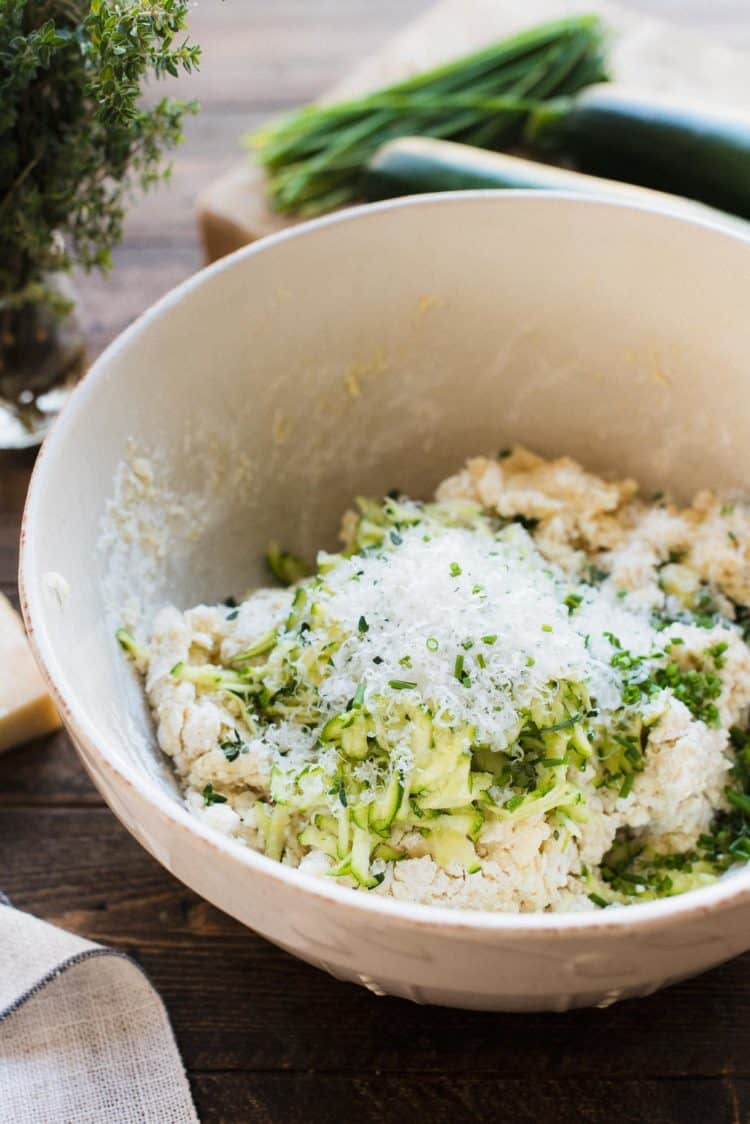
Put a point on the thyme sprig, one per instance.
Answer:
(76, 139)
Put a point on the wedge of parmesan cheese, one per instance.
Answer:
(26, 710)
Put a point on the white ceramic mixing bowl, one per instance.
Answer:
(374, 349)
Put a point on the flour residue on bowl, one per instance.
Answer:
(156, 516)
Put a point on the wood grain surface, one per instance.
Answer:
(264, 1037)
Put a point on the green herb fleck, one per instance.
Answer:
(233, 746)
(739, 799)
(566, 724)
(211, 797)
(598, 900)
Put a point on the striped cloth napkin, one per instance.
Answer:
(84, 1038)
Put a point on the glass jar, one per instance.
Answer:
(42, 357)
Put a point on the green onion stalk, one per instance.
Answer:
(316, 157)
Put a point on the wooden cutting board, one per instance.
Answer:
(685, 53)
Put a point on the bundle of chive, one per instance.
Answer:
(316, 157)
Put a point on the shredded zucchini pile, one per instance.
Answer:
(440, 681)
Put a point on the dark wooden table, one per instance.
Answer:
(266, 1038)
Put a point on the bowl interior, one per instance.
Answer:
(369, 351)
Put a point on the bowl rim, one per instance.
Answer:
(645, 915)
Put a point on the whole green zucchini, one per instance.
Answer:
(696, 151)
(415, 165)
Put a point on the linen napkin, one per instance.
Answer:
(84, 1038)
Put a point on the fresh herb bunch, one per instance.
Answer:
(316, 157)
(75, 140)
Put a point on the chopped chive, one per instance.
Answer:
(210, 797)
(598, 900)
(573, 601)
(401, 684)
(553, 762)
(481, 661)
(565, 725)
(627, 784)
(466, 644)
(489, 639)
(455, 569)
(432, 643)
(359, 696)
(405, 661)
(739, 799)
(530, 661)
(476, 589)
(740, 847)
(362, 625)
(458, 667)
(546, 628)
